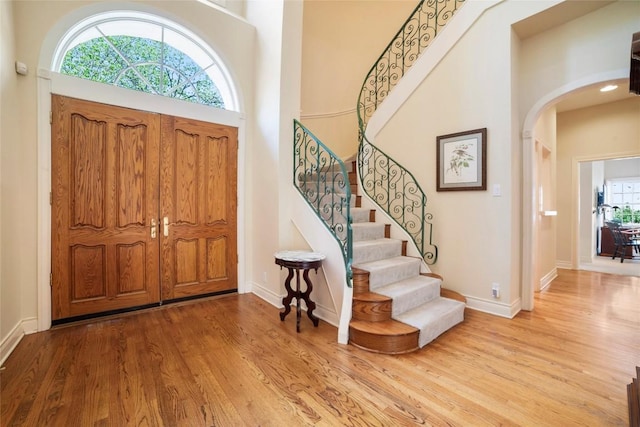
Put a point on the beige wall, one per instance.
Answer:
(565, 55)
(341, 42)
(14, 273)
(545, 132)
(486, 80)
(600, 132)
(470, 89)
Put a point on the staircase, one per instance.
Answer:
(397, 305)
(396, 308)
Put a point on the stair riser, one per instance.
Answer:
(368, 231)
(445, 323)
(387, 344)
(359, 215)
(360, 281)
(371, 311)
(405, 303)
(392, 274)
(383, 250)
(433, 318)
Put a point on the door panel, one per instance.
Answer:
(104, 196)
(110, 192)
(197, 183)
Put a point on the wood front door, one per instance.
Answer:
(116, 174)
(198, 207)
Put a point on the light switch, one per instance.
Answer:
(497, 191)
(21, 68)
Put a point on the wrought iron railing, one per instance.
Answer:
(426, 20)
(322, 179)
(383, 179)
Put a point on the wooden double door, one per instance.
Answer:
(143, 208)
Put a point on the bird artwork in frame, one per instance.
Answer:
(462, 161)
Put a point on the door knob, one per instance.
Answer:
(165, 222)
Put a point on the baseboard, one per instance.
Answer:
(548, 278)
(564, 265)
(326, 314)
(494, 307)
(266, 294)
(11, 341)
(322, 312)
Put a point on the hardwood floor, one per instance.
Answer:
(231, 362)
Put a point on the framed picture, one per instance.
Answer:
(462, 161)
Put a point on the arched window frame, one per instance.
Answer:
(182, 40)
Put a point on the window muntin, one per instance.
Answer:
(144, 52)
(624, 195)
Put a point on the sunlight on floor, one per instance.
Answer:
(613, 266)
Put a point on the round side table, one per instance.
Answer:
(295, 261)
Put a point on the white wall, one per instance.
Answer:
(592, 222)
(621, 168)
(587, 218)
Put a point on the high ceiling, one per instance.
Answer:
(591, 95)
(558, 15)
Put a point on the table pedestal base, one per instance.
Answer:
(294, 267)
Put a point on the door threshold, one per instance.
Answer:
(121, 312)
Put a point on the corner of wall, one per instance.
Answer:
(11, 341)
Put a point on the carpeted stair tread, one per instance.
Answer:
(433, 318)
(373, 250)
(367, 231)
(360, 215)
(410, 293)
(390, 270)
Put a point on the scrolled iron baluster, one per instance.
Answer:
(324, 188)
(380, 175)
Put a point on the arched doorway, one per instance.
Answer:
(530, 170)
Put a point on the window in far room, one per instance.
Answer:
(624, 196)
(145, 53)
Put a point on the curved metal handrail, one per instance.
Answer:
(384, 180)
(321, 178)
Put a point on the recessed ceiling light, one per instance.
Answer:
(609, 88)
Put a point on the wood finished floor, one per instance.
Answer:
(231, 362)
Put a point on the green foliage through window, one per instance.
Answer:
(142, 64)
(627, 215)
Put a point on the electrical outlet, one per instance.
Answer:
(264, 277)
(495, 290)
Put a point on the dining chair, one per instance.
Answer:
(622, 240)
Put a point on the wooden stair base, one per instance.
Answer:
(448, 293)
(371, 307)
(371, 327)
(388, 336)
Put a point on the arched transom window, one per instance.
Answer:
(143, 52)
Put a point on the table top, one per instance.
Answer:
(299, 256)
